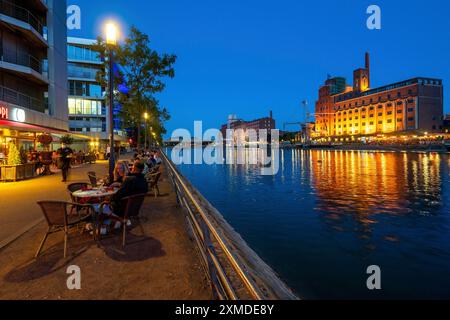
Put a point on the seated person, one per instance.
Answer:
(134, 184)
(121, 171)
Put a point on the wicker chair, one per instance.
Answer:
(73, 187)
(58, 219)
(132, 209)
(153, 180)
(93, 179)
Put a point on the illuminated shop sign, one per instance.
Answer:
(18, 115)
(14, 114)
(3, 112)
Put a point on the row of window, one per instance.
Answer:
(363, 124)
(86, 107)
(85, 89)
(82, 53)
(77, 71)
(91, 129)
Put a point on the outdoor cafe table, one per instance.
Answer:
(93, 196)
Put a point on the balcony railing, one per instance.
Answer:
(21, 58)
(10, 9)
(21, 100)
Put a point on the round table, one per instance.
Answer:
(95, 195)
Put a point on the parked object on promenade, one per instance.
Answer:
(59, 220)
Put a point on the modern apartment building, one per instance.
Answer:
(88, 112)
(412, 105)
(33, 85)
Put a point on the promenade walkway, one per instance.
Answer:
(162, 264)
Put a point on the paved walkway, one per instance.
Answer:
(18, 200)
(161, 264)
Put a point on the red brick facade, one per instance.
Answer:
(411, 105)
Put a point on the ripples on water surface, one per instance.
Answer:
(328, 215)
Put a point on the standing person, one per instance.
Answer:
(65, 157)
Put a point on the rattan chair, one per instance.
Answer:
(93, 179)
(153, 180)
(59, 220)
(73, 187)
(132, 209)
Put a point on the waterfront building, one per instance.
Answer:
(88, 110)
(345, 112)
(447, 124)
(241, 127)
(33, 79)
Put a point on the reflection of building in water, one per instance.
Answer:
(366, 186)
(358, 110)
(242, 128)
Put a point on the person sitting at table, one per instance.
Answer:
(133, 185)
(121, 171)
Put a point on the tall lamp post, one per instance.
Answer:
(146, 130)
(111, 42)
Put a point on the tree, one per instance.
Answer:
(142, 72)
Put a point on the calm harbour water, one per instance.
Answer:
(328, 215)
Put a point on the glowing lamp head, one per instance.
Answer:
(146, 116)
(111, 34)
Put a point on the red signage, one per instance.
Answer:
(3, 112)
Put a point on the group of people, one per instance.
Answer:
(130, 182)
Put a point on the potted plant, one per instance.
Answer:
(67, 140)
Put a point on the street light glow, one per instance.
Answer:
(111, 33)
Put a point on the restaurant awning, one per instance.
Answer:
(29, 127)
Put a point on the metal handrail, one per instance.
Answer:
(204, 233)
(11, 9)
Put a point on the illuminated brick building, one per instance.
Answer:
(351, 111)
(241, 127)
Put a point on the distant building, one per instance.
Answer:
(358, 110)
(88, 112)
(33, 86)
(447, 124)
(241, 127)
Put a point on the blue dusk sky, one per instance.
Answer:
(248, 57)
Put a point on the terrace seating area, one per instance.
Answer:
(153, 258)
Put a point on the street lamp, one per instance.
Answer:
(111, 41)
(146, 116)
